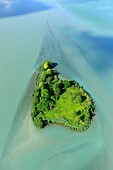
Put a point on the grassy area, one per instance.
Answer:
(72, 109)
(61, 102)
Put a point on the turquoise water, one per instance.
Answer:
(81, 44)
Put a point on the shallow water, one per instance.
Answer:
(82, 47)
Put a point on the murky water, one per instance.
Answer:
(80, 40)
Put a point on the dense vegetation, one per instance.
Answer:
(61, 102)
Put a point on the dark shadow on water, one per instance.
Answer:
(22, 7)
(103, 60)
(54, 65)
(97, 50)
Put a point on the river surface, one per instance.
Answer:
(78, 35)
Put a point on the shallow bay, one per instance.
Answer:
(83, 51)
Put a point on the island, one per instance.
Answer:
(62, 102)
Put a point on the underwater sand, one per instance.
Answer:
(82, 47)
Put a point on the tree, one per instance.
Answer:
(49, 71)
(60, 101)
(38, 122)
(78, 99)
(46, 65)
(43, 76)
(66, 84)
(48, 80)
(45, 93)
(40, 84)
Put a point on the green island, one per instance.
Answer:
(62, 102)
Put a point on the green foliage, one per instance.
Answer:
(62, 102)
(46, 65)
(66, 84)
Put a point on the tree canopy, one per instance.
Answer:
(62, 102)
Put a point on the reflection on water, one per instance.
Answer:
(10, 8)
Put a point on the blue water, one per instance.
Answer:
(14, 8)
(77, 35)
